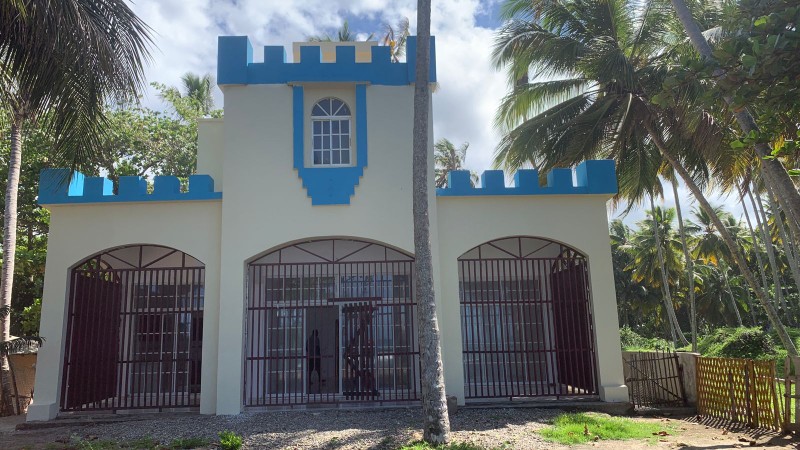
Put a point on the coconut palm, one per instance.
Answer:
(689, 263)
(436, 428)
(395, 37)
(200, 89)
(606, 62)
(446, 158)
(774, 171)
(657, 261)
(343, 34)
(68, 58)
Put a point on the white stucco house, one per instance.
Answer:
(283, 275)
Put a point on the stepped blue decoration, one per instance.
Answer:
(235, 65)
(62, 186)
(592, 177)
(330, 185)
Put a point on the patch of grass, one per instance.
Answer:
(145, 443)
(228, 440)
(579, 428)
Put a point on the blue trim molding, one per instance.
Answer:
(62, 186)
(592, 177)
(235, 65)
(330, 185)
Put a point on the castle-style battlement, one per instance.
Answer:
(62, 186)
(592, 177)
(235, 65)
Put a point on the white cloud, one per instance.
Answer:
(469, 88)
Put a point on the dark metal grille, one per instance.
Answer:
(654, 379)
(526, 321)
(330, 321)
(134, 331)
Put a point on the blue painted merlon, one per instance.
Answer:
(62, 186)
(592, 177)
(235, 65)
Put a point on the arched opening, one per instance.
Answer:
(330, 321)
(526, 320)
(134, 330)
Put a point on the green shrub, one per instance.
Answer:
(228, 440)
(632, 341)
(751, 343)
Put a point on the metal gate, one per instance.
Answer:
(330, 321)
(134, 331)
(526, 321)
(654, 379)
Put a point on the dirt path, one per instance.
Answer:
(379, 429)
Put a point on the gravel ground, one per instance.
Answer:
(331, 429)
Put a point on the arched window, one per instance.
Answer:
(330, 133)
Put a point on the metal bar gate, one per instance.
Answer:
(526, 321)
(134, 336)
(330, 321)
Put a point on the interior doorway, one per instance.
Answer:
(322, 348)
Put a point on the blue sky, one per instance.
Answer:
(185, 34)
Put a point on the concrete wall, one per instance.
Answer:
(79, 231)
(578, 221)
(266, 206)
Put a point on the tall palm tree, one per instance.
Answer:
(66, 57)
(436, 428)
(343, 34)
(710, 249)
(200, 89)
(605, 61)
(775, 173)
(689, 263)
(657, 260)
(395, 37)
(446, 158)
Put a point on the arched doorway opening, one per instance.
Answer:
(526, 320)
(330, 321)
(134, 330)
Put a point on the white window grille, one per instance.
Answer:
(331, 133)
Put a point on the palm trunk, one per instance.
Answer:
(675, 327)
(761, 219)
(9, 253)
(788, 248)
(776, 174)
(756, 250)
(689, 267)
(730, 294)
(772, 314)
(434, 399)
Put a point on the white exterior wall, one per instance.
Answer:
(80, 231)
(578, 221)
(266, 206)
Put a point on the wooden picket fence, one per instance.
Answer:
(791, 396)
(740, 390)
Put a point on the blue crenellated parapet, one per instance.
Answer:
(235, 65)
(62, 186)
(591, 177)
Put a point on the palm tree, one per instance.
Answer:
(656, 260)
(343, 34)
(436, 428)
(199, 88)
(446, 158)
(67, 57)
(604, 61)
(395, 37)
(689, 262)
(775, 173)
(711, 250)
